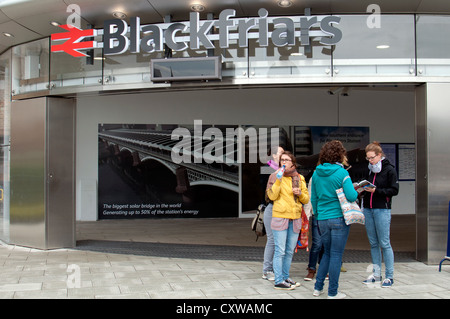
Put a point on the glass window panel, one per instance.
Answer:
(294, 61)
(289, 60)
(128, 67)
(387, 50)
(5, 99)
(433, 45)
(5, 111)
(135, 68)
(31, 67)
(234, 60)
(185, 69)
(68, 71)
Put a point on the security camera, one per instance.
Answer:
(345, 91)
(334, 91)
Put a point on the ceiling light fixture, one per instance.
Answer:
(9, 35)
(284, 3)
(197, 7)
(55, 24)
(119, 15)
(383, 46)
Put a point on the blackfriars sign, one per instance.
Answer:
(118, 37)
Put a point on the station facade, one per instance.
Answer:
(160, 120)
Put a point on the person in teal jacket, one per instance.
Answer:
(329, 176)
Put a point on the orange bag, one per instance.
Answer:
(302, 242)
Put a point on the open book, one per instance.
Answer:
(362, 185)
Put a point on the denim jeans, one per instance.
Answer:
(378, 222)
(285, 243)
(270, 244)
(316, 251)
(334, 234)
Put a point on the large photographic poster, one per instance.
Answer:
(138, 178)
(202, 170)
(305, 143)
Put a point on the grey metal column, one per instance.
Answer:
(42, 213)
(27, 205)
(421, 175)
(433, 170)
(60, 152)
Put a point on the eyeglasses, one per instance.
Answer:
(371, 158)
(285, 160)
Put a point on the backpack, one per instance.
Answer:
(258, 222)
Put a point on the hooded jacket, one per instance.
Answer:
(387, 186)
(325, 181)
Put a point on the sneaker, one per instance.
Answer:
(310, 275)
(387, 283)
(317, 293)
(292, 283)
(339, 295)
(372, 279)
(284, 286)
(268, 276)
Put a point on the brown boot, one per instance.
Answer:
(310, 275)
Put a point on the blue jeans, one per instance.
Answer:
(285, 243)
(270, 244)
(378, 222)
(334, 234)
(315, 253)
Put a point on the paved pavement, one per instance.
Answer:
(77, 274)
(164, 266)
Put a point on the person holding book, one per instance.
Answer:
(377, 203)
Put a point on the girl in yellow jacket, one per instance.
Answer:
(288, 192)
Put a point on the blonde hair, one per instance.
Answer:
(375, 147)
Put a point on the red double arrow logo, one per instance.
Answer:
(74, 40)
